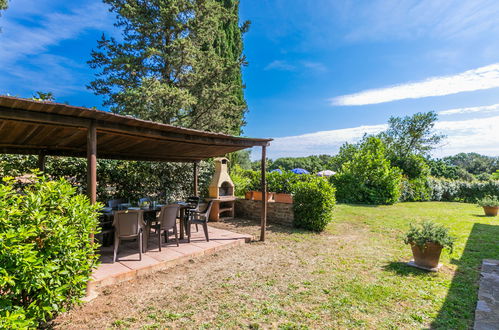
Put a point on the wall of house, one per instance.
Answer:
(278, 213)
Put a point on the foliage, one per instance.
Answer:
(461, 191)
(242, 180)
(415, 190)
(240, 158)
(127, 180)
(46, 257)
(412, 135)
(3, 4)
(171, 66)
(488, 200)
(313, 164)
(313, 204)
(474, 163)
(429, 232)
(495, 175)
(43, 96)
(443, 169)
(286, 181)
(369, 177)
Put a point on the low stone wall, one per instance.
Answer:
(279, 213)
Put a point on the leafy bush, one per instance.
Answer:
(313, 204)
(286, 181)
(462, 191)
(415, 190)
(429, 232)
(46, 257)
(368, 177)
(492, 201)
(127, 180)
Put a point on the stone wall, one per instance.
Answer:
(278, 213)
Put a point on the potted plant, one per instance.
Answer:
(427, 239)
(490, 205)
(282, 185)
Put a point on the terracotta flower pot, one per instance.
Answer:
(491, 211)
(428, 256)
(283, 198)
(248, 195)
(257, 196)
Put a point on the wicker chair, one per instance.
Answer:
(167, 220)
(129, 225)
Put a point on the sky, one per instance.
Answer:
(320, 73)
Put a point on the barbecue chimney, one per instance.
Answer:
(221, 185)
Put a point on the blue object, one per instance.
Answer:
(278, 170)
(300, 171)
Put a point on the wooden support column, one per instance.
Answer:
(41, 161)
(92, 163)
(263, 223)
(196, 175)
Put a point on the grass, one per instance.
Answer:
(352, 275)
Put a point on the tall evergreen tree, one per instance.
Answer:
(3, 4)
(168, 68)
(229, 45)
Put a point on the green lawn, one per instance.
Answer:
(352, 275)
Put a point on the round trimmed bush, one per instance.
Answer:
(46, 256)
(313, 204)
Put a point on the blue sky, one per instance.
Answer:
(320, 72)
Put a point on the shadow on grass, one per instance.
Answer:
(402, 269)
(458, 309)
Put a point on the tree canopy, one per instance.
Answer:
(173, 64)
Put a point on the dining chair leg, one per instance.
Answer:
(188, 232)
(205, 228)
(176, 234)
(197, 229)
(116, 245)
(140, 245)
(165, 234)
(159, 238)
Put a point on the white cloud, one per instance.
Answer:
(458, 111)
(475, 135)
(472, 80)
(26, 59)
(280, 65)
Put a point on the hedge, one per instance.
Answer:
(46, 256)
(313, 204)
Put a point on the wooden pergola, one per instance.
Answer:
(53, 129)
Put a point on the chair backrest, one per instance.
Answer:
(193, 201)
(168, 216)
(113, 203)
(129, 222)
(206, 212)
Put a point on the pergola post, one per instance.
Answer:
(196, 175)
(41, 161)
(263, 223)
(92, 163)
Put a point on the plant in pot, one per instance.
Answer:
(427, 239)
(490, 205)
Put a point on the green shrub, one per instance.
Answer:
(46, 257)
(313, 204)
(415, 190)
(369, 177)
(286, 181)
(491, 201)
(429, 232)
(462, 191)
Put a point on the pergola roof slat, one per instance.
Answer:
(28, 126)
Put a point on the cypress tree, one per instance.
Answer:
(169, 66)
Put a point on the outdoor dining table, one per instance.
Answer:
(150, 215)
